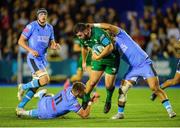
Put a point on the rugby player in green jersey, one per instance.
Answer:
(109, 63)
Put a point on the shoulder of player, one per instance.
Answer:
(31, 25)
(96, 29)
(77, 40)
(49, 26)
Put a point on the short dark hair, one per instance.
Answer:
(41, 10)
(79, 27)
(78, 87)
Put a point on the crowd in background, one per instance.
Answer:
(155, 32)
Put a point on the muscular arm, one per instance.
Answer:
(114, 29)
(107, 50)
(84, 52)
(76, 48)
(22, 42)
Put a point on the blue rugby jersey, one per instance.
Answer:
(38, 37)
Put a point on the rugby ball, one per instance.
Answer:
(97, 48)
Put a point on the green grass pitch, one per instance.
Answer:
(139, 111)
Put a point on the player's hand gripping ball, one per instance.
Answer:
(97, 48)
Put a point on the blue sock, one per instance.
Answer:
(28, 96)
(33, 113)
(120, 109)
(167, 105)
(33, 84)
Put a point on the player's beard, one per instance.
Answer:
(87, 36)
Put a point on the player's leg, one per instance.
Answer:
(122, 98)
(93, 80)
(27, 97)
(35, 83)
(31, 88)
(110, 86)
(152, 79)
(38, 68)
(153, 83)
(30, 113)
(129, 80)
(171, 82)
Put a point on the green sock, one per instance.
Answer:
(109, 94)
(86, 97)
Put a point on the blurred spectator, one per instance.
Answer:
(23, 19)
(133, 22)
(172, 30)
(63, 52)
(153, 47)
(138, 37)
(5, 23)
(171, 47)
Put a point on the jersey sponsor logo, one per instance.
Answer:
(44, 39)
(123, 47)
(28, 27)
(26, 30)
(105, 41)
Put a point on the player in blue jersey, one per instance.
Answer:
(62, 103)
(39, 35)
(139, 65)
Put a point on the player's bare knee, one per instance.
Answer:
(155, 89)
(44, 80)
(123, 92)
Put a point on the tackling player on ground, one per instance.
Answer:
(62, 103)
(109, 63)
(140, 65)
(40, 36)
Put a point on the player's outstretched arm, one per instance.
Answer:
(22, 42)
(85, 113)
(114, 29)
